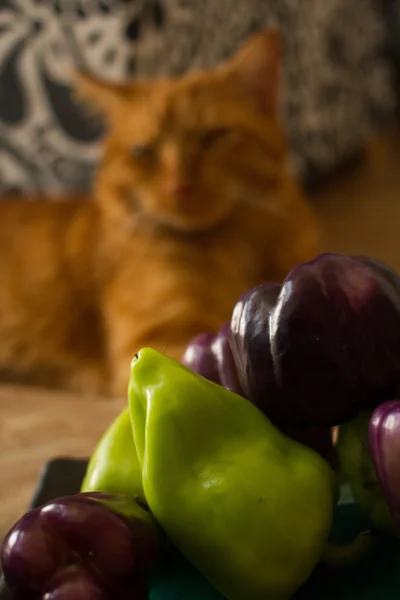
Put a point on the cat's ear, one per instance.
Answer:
(100, 96)
(258, 67)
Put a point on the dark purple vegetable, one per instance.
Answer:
(210, 355)
(222, 352)
(384, 443)
(249, 341)
(83, 547)
(31, 554)
(329, 348)
(74, 582)
(199, 357)
(319, 439)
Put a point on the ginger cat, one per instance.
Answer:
(193, 204)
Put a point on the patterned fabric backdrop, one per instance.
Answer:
(338, 82)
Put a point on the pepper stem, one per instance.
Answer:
(343, 555)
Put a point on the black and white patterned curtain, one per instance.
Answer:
(338, 82)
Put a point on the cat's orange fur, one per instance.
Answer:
(193, 204)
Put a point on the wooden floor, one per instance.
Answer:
(360, 213)
(35, 426)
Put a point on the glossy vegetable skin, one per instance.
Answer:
(357, 466)
(215, 470)
(114, 467)
(325, 345)
(384, 443)
(212, 357)
(83, 547)
(199, 357)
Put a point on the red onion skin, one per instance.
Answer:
(384, 443)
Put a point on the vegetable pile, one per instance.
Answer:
(230, 454)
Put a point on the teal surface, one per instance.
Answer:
(377, 577)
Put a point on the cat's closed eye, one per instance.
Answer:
(147, 151)
(212, 136)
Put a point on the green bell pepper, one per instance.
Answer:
(248, 506)
(114, 467)
(357, 466)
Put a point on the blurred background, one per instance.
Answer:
(340, 105)
(341, 74)
(340, 91)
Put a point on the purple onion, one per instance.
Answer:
(326, 347)
(82, 547)
(199, 357)
(384, 443)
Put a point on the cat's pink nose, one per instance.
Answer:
(181, 190)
